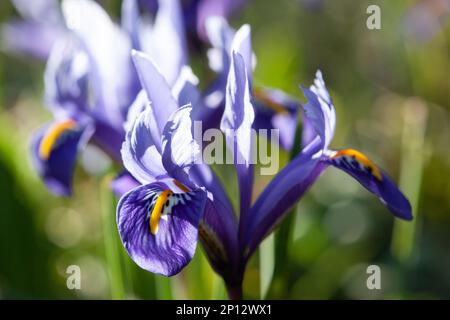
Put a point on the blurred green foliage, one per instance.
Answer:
(391, 93)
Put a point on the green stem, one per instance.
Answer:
(412, 164)
(111, 241)
(267, 264)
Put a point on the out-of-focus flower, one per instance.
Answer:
(84, 92)
(178, 200)
(274, 109)
(90, 83)
(196, 12)
(424, 19)
(35, 35)
(289, 185)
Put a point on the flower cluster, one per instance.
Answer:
(130, 90)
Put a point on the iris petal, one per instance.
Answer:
(180, 149)
(283, 191)
(167, 45)
(156, 86)
(114, 79)
(373, 179)
(237, 124)
(159, 228)
(319, 111)
(54, 152)
(141, 151)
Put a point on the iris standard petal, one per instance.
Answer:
(167, 44)
(124, 183)
(319, 110)
(141, 150)
(180, 148)
(159, 228)
(114, 80)
(157, 89)
(237, 124)
(130, 21)
(242, 44)
(360, 167)
(66, 77)
(283, 191)
(54, 151)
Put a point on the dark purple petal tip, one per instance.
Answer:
(373, 179)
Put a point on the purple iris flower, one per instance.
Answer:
(84, 92)
(274, 109)
(178, 200)
(289, 185)
(90, 83)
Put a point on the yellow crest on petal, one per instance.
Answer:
(51, 137)
(362, 159)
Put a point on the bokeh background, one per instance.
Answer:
(391, 89)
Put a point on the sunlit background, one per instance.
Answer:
(391, 89)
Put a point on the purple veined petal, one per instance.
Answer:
(275, 109)
(30, 38)
(54, 149)
(372, 178)
(237, 124)
(155, 85)
(109, 49)
(130, 21)
(123, 183)
(283, 191)
(141, 151)
(180, 150)
(66, 77)
(319, 110)
(166, 43)
(159, 228)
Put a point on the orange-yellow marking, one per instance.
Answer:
(361, 158)
(158, 209)
(52, 135)
(181, 186)
(268, 102)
